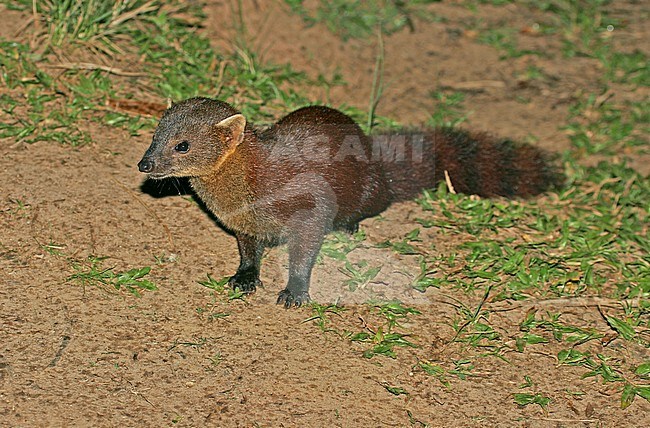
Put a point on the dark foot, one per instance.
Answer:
(289, 298)
(247, 281)
(351, 228)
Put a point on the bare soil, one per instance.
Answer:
(84, 356)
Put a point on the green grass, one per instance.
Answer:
(91, 272)
(385, 337)
(505, 40)
(603, 221)
(573, 248)
(611, 370)
(582, 24)
(216, 285)
(94, 23)
(550, 324)
(212, 309)
(525, 399)
(177, 62)
(621, 67)
(590, 240)
(18, 66)
(321, 316)
(598, 126)
(338, 244)
(448, 109)
(382, 332)
(359, 274)
(404, 246)
(361, 19)
(48, 117)
(219, 287)
(427, 277)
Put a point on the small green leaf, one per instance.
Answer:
(533, 339)
(643, 391)
(528, 382)
(622, 327)
(524, 399)
(213, 284)
(643, 369)
(413, 235)
(395, 390)
(629, 392)
(571, 357)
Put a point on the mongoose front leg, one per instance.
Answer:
(304, 246)
(247, 277)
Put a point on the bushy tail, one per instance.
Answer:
(476, 163)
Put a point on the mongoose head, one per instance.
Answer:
(193, 138)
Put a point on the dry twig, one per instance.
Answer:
(91, 66)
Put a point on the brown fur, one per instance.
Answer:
(315, 171)
(476, 163)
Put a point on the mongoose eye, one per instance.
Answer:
(182, 147)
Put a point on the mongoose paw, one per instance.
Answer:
(246, 281)
(288, 298)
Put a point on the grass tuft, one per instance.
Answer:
(91, 272)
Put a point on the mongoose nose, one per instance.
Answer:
(145, 165)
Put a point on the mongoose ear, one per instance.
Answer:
(235, 125)
(170, 103)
